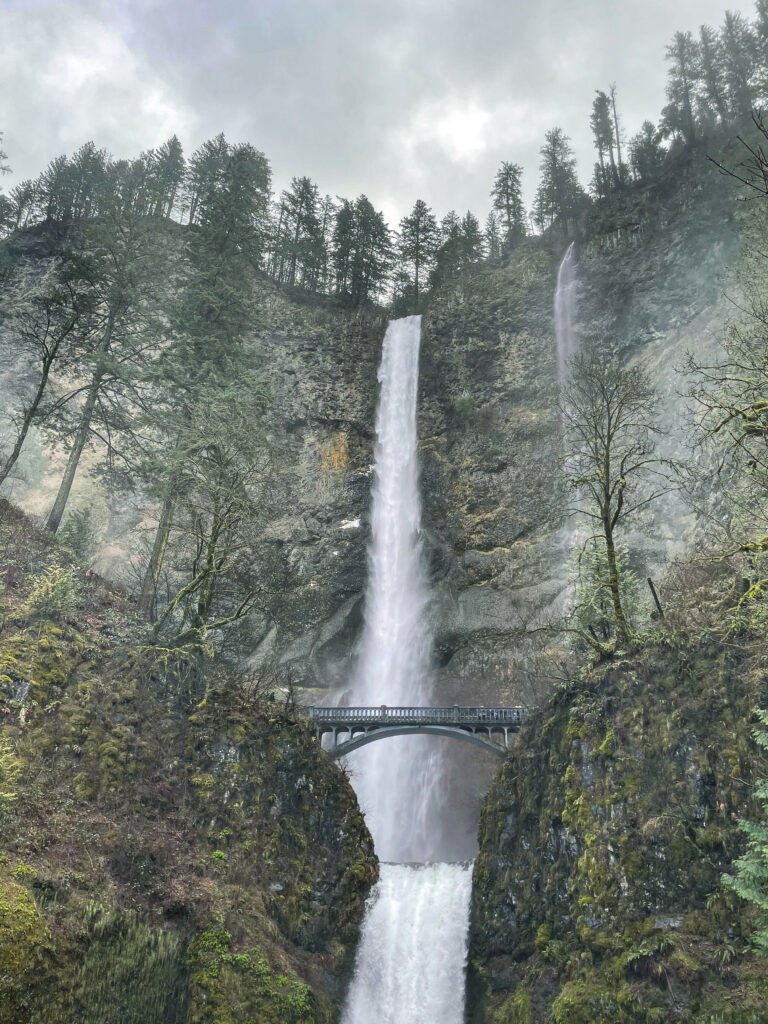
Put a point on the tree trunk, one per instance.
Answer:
(145, 606)
(622, 628)
(54, 519)
(29, 415)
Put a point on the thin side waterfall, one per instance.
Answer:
(410, 965)
(565, 314)
(565, 333)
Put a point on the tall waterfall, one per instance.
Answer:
(410, 965)
(565, 313)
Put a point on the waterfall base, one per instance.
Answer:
(412, 948)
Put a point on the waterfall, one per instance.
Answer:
(565, 314)
(410, 965)
(412, 947)
(565, 320)
(393, 667)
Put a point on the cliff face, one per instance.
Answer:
(602, 840)
(652, 284)
(157, 865)
(651, 279)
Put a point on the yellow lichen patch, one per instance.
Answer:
(334, 453)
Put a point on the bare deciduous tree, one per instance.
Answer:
(611, 462)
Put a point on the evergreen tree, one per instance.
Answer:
(559, 195)
(204, 172)
(362, 251)
(299, 240)
(210, 319)
(683, 55)
(713, 72)
(601, 124)
(750, 880)
(448, 258)
(739, 61)
(166, 176)
(327, 215)
(24, 199)
(492, 237)
(618, 167)
(646, 153)
(507, 195)
(342, 246)
(417, 244)
(88, 179)
(472, 250)
(372, 254)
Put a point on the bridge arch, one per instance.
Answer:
(381, 733)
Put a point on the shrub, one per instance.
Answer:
(77, 533)
(53, 594)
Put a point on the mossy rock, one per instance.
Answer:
(25, 948)
(604, 838)
(132, 973)
(231, 986)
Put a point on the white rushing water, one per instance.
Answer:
(410, 964)
(565, 313)
(397, 781)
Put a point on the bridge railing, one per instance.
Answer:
(384, 715)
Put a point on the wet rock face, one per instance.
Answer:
(320, 366)
(488, 424)
(602, 840)
(651, 274)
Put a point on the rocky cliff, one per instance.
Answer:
(173, 847)
(602, 841)
(652, 284)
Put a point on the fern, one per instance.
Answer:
(750, 881)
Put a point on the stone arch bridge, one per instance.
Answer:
(352, 728)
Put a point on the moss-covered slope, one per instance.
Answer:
(160, 861)
(603, 840)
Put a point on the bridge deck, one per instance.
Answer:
(362, 725)
(340, 718)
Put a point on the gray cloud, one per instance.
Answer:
(399, 99)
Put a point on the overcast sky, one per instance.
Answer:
(400, 99)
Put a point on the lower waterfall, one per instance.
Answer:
(413, 944)
(410, 966)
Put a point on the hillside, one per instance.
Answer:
(173, 845)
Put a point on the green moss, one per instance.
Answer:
(240, 987)
(516, 1010)
(131, 973)
(25, 946)
(625, 806)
